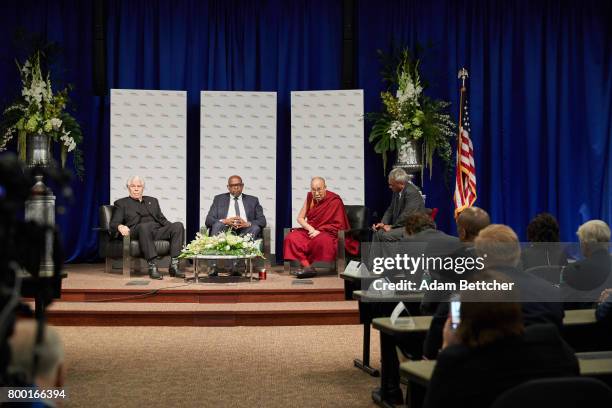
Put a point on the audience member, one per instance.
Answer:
(603, 313)
(321, 217)
(469, 223)
(423, 238)
(46, 370)
(540, 301)
(544, 250)
(583, 281)
(492, 351)
(141, 218)
(420, 227)
(235, 210)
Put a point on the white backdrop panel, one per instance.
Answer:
(238, 136)
(149, 138)
(327, 141)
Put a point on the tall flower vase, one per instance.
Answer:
(409, 157)
(38, 150)
(40, 207)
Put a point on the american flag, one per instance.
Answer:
(465, 177)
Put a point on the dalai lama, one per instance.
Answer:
(321, 217)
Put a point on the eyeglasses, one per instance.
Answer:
(135, 186)
(235, 185)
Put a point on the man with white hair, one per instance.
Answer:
(406, 200)
(141, 218)
(584, 280)
(48, 371)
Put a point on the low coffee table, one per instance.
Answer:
(247, 258)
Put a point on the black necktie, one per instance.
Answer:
(236, 208)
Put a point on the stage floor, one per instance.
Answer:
(92, 276)
(91, 297)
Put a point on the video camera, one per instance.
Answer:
(23, 245)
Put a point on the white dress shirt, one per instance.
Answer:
(231, 212)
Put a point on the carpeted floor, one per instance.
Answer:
(307, 366)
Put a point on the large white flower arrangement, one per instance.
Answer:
(409, 115)
(39, 111)
(224, 243)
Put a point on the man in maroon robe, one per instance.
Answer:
(321, 217)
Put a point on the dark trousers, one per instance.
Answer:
(218, 227)
(149, 232)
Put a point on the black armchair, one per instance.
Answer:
(359, 220)
(112, 246)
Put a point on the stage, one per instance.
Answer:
(91, 297)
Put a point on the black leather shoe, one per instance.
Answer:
(394, 397)
(308, 272)
(153, 272)
(174, 271)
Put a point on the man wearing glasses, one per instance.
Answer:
(235, 210)
(140, 217)
(321, 217)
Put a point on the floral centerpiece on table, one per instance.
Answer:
(409, 115)
(224, 243)
(40, 111)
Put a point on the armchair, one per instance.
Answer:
(113, 246)
(359, 220)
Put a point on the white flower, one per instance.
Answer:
(68, 141)
(56, 123)
(395, 128)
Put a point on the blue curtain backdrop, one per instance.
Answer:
(540, 98)
(540, 88)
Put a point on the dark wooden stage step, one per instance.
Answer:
(204, 296)
(194, 314)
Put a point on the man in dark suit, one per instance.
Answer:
(583, 281)
(406, 200)
(236, 210)
(469, 223)
(140, 217)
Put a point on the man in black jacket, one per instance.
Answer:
(584, 280)
(140, 217)
(406, 200)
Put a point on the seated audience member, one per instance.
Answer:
(420, 227)
(321, 217)
(48, 370)
(544, 250)
(235, 210)
(492, 351)
(603, 313)
(469, 223)
(141, 218)
(583, 281)
(540, 301)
